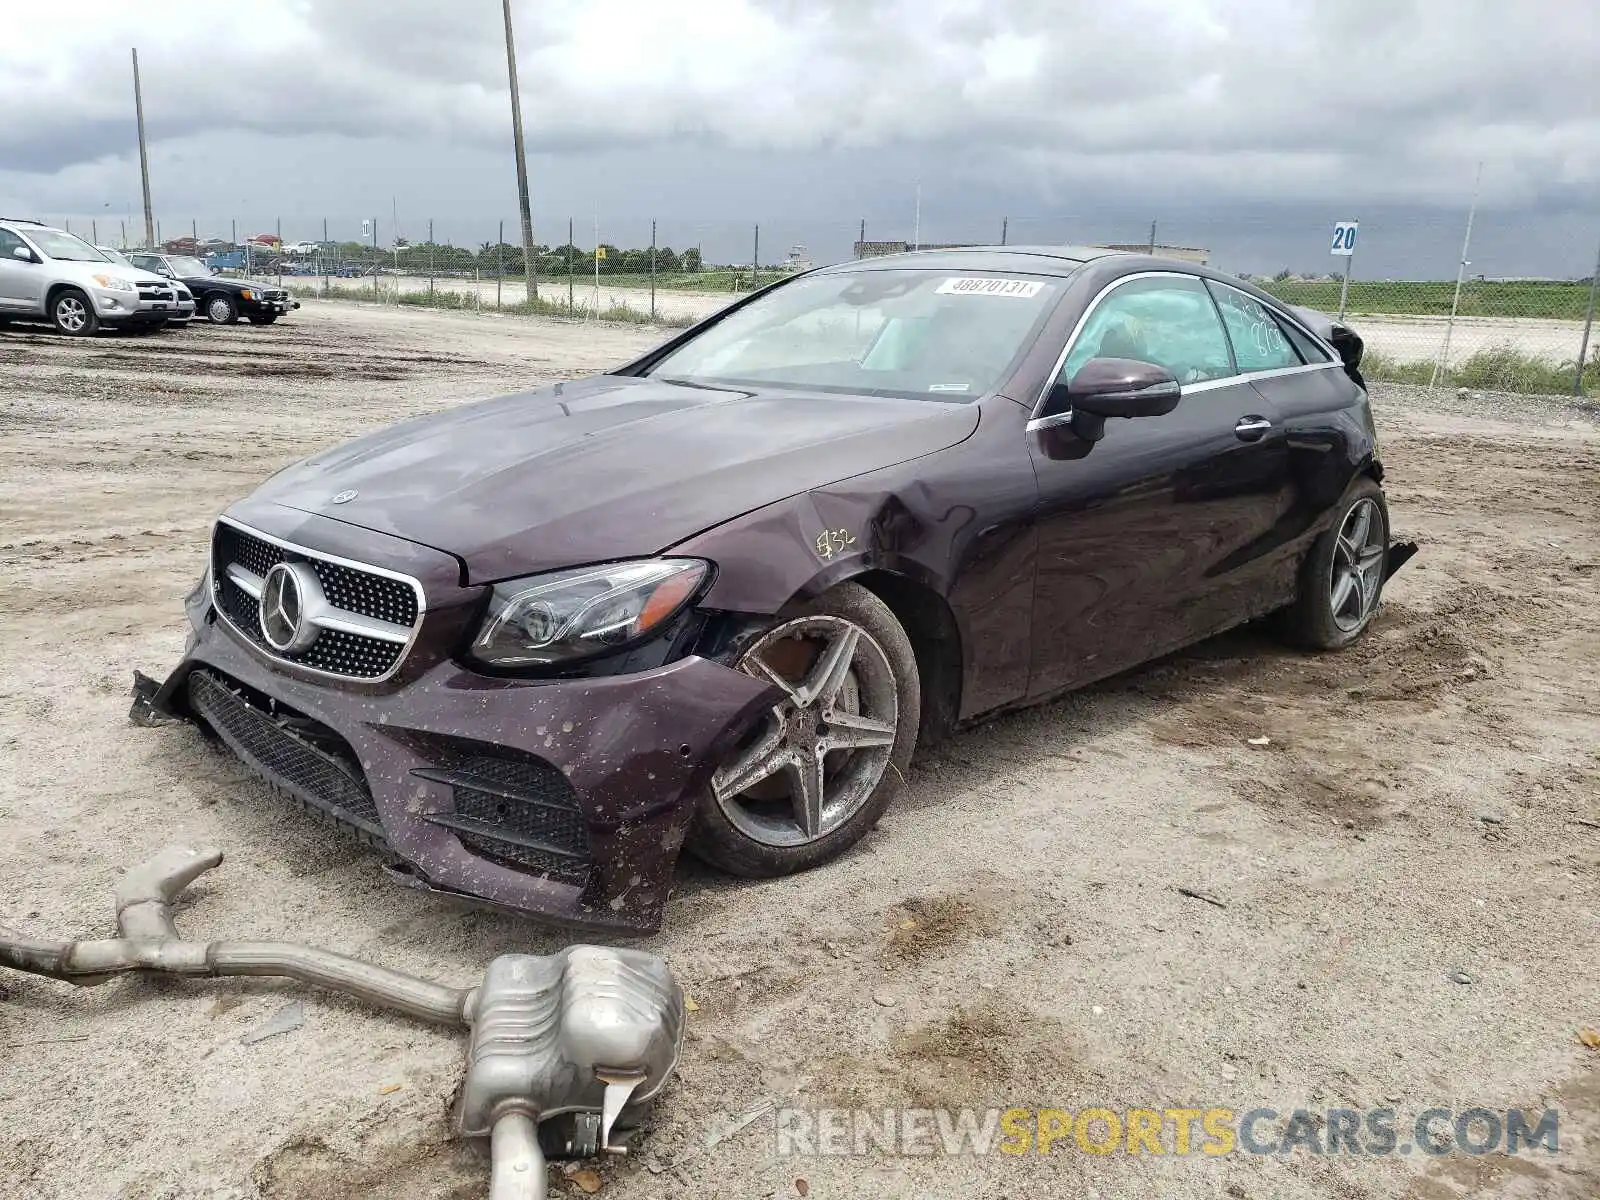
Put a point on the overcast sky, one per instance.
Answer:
(1244, 125)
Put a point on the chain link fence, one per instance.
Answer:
(1481, 331)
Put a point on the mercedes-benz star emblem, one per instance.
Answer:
(285, 592)
(346, 496)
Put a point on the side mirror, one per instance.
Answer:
(1112, 387)
(23, 253)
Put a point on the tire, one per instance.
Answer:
(263, 319)
(758, 832)
(220, 309)
(1314, 621)
(72, 313)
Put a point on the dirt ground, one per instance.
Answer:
(1426, 812)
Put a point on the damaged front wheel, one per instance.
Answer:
(809, 781)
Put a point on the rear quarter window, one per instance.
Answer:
(1260, 341)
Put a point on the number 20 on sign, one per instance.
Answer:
(1344, 237)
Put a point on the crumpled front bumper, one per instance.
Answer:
(636, 750)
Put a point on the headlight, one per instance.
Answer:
(112, 283)
(568, 615)
(248, 294)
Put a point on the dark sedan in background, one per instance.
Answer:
(219, 299)
(716, 598)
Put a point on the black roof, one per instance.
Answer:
(1039, 260)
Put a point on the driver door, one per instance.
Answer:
(19, 280)
(1153, 537)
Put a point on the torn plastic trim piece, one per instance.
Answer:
(1400, 553)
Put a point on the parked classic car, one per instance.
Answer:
(220, 299)
(718, 596)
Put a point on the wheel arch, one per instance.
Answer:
(60, 286)
(935, 640)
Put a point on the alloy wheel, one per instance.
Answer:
(71, 314)
(824, 747)
(1357, 570)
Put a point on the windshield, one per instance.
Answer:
(64, 246)
(929, 334)
(187, 268)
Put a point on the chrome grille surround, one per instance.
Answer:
(340, 651)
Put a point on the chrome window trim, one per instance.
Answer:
(1249, 376)
(1036, 422)
(322, 556)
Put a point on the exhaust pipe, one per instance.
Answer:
(567, 1052)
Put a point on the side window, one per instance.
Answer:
(1309, 350)
(1259, 343)
(1167, 320)
(144, 262)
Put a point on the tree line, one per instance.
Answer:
(490, 258)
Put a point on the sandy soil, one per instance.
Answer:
(1428, 804)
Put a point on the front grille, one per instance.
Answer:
(275, 294)
(298, 756)
(516, 809)
(157, 293)
(335, 652)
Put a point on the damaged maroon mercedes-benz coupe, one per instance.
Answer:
(715, 599)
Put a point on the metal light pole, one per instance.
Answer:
(1588, 325)
(144, 157)
(530, 262)
(1442, 367)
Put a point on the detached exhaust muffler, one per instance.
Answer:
(567, 1050)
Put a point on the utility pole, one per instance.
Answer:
(1588, 327)
(1152, 237)
(144, 158)
(916, 223)
(530, 261)
(1442, 367)
(1005, 227)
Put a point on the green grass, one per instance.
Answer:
(1567, 301)
(1501, 368)
(454, 301)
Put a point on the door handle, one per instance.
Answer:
(1251, 429)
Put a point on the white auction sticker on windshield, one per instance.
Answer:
(969, 286)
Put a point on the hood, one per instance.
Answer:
(133, 275)
(604, 468)
(235, 285)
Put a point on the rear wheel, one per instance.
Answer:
(72, 313)
(221, 310)
(1341, 581)
(822, 766)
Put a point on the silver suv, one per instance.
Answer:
(184, 312)
(49, 275)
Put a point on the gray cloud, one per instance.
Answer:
(1145, 104)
